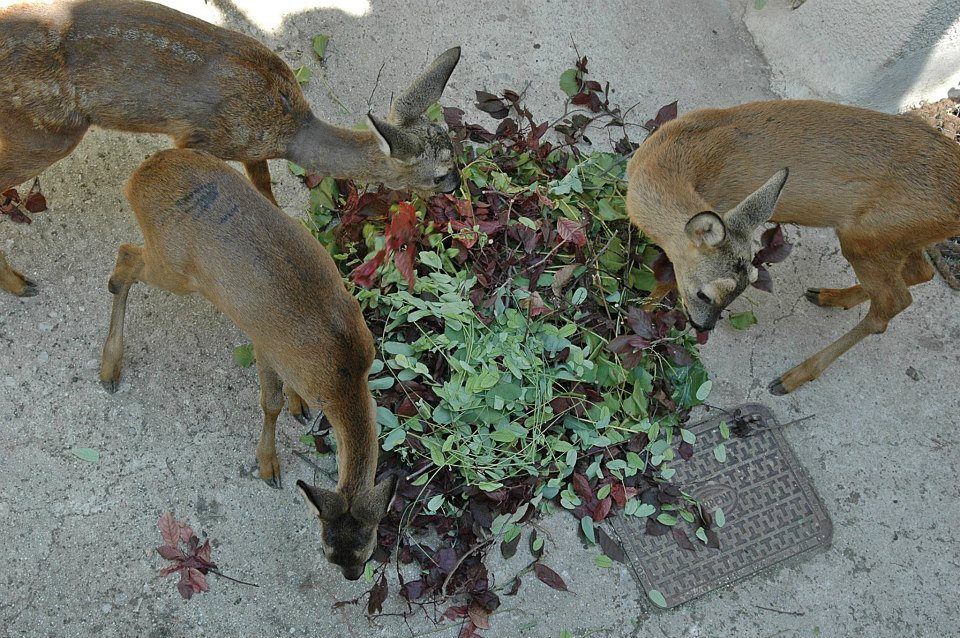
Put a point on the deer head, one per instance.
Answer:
(348, 523)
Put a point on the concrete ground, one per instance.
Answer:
(77, 556)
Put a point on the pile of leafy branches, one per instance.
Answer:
(524, 365)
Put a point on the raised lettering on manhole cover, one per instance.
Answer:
(772, 514)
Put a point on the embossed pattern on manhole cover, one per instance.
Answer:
(772, 513)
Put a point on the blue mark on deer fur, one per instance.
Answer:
(201, 202)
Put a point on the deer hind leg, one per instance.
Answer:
(128, 271)
(916, 270)
(883, 281)
(271, 401)
(25, 151)
(259, 174)
(297, 407)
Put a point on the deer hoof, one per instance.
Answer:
(813, 296)
(110, 385)
(303, 416)
(777, 388)
(274, 482)
(30, 289)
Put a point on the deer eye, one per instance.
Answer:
(703, 297)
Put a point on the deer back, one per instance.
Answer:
(140, 66)
(205, 223)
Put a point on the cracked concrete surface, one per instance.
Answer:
(77, 556)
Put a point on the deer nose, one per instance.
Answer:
(352, 573)
(451, 182)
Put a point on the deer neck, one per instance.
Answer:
(332, 151)
(358, 447)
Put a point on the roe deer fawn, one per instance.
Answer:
(889, 186)
(207, 230)
(142, 67)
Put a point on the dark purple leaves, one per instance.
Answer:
(682, 540)
(549, 577)
(491, 105)
(378, 594)
(509, 548)
(666, 113)
(609, 546)
(774, 248)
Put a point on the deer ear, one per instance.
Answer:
(426, 89)
(706, 228)
(369, 507)
(393, 141)
(758, 206)
(324, 504)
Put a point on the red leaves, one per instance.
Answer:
(192, 561)
(621, 494)
(602, 510)
(12, 205)
(534, 305)
(365, 274)
(401, 238)
(549, 577)
(571, 231)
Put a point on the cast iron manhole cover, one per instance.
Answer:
(772, 513)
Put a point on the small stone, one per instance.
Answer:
(913, 374)
(106, 608)
(45, 327)
(10, 382)
(43, 357)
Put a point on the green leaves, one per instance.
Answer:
(303, 74)
(704, 390)
(720, 452)
(87, 454)
(394, 438)
(586, 525)
(570, 82)
(320, 45)
(657, 598)
(742, 320)
(243, 356)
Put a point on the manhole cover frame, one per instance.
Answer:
(817, 528)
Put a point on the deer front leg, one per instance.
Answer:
(127, 272)
(271, 401)
(259, 174)
(889, 296)
(13, 281)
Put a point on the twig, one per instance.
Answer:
(236, 580)
(782, 611)
(376, 84)
(303, 457)
(446, 581)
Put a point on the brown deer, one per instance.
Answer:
(142, 67)
(889, 186)
(207, 230)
